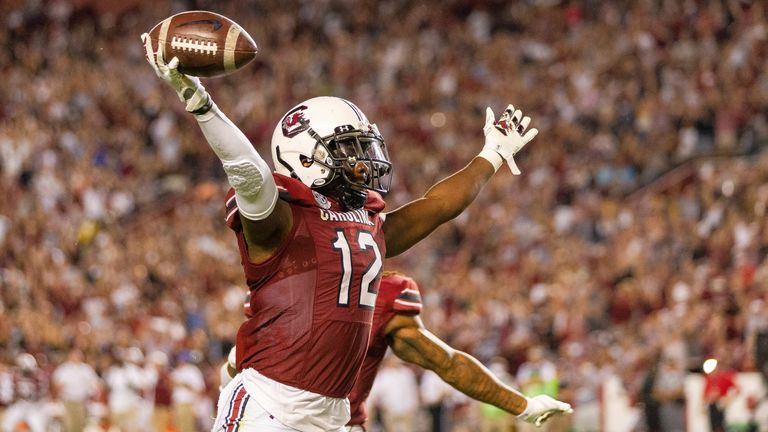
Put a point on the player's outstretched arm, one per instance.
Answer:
(410, 223)
(415, 344)
(266, 220)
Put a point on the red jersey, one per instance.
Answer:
(718, 384)
(311, 303)
(398, 294)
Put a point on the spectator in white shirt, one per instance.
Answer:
(434, 394)
(188, 386)
(125, 382)
(396, 393)
(75, 382)
(146, 381)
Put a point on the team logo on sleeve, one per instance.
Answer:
(294, 122)
(322, 201)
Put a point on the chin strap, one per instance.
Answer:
(285, 164)
(348, 198)
(353, 199)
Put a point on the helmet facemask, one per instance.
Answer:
(340, 152)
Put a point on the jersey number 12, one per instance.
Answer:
(365, 241)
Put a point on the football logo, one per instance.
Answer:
(503, 125)
(215, 23)
(294, 122)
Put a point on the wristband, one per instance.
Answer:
(493, 157)
(205, 108)
(527, 407)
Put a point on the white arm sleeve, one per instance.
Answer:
(247, 172)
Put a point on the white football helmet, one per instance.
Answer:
(320, 140)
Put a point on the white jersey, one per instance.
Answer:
(125, 384)
(396, 390)
(75, 381)
(188, 384)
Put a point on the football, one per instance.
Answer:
(206, 43)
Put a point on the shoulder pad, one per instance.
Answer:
(402, 292)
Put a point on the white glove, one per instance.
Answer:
(189, 88)
(540, 408)
(232, 358)
(224, 377)
(507, 136)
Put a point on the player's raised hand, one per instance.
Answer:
(188, 88)
(508, 135)
(542, 407)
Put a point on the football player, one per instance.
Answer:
(312, 238)
(396, 324)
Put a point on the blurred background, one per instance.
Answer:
(632, 249)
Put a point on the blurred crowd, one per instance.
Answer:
(634, 244)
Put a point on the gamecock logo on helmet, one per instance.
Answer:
(294, 122)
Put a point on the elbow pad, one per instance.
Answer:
(255, 193)
(247, 173)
